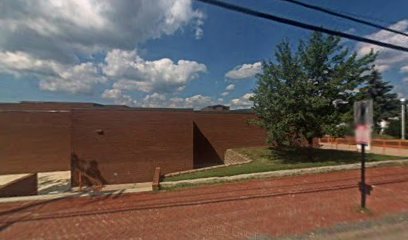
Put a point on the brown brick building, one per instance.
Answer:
(121, 144)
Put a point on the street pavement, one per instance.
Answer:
(255, 209)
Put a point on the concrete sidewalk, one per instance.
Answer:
(107, 190)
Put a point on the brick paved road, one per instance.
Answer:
(246, 210)
(394, 227)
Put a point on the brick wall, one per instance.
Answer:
(120, 145)
(34, 141)
(127, 145)
(217, 132)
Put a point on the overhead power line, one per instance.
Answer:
(337, 14)
(287, 21)
(366, 17)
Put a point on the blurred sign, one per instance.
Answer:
(363, 134)
(363, 120)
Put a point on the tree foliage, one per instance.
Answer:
(385, 103)
(394, 128)
(295, 95)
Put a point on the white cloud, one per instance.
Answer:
(230, 87)
(196, 101)
(242, 102)
(131, 72)
(198, 31)
(244, 71)
(157, 100)
(60, 30)
(18, 63)
(53, 76)
(404, 69)
(388, 58)
(112, 94)
(118, 97)
(76, 79)
(51, 40)
(154, 100)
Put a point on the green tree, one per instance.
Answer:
(394, 128)
(385, 103)
(305, 93)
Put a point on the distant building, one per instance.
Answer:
(217, 107)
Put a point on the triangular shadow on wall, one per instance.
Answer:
(205, 154)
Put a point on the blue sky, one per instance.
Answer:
(166, 53)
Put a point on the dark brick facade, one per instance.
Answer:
(34, 141)
(119, 145)
(221, 131)
(129, 145)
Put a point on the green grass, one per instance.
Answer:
(268, 159)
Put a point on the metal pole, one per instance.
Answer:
(403, 119)
(363, 185)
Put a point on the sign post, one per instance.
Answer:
(363, 187)
(363, 119)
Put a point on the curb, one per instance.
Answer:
(281, 173)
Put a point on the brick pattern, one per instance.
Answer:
(257, 209)
(117, 145)
(225, 131)
(127, 146)
(34, 142)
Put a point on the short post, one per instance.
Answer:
(156, 179)
(80, 180)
